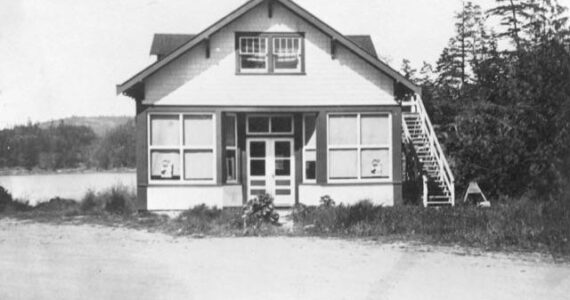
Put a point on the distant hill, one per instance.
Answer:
(100, 124)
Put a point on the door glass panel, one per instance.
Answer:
(258, 124)
(257, 167)
(310, 169)
(283, 149)
(281, 124)
(257, 192)
(258, 183)
(283, 192)
(257, 149)
(282, 167)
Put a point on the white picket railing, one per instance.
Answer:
(446, 176)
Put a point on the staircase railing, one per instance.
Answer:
(416, 106)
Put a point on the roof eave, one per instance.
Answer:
(139, 77)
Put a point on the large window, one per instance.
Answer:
(270, 53)
(359, 147)
(182, 148)
(309, 148)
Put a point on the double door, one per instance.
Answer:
(270, 169)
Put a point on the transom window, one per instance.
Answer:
(270, 53)
(181, 148)
(359, 147)
(264, 125)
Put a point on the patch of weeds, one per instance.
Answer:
(118, 200)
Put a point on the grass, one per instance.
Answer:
(521, 225)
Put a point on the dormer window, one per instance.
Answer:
(270, 53)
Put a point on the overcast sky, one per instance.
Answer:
(60, 58)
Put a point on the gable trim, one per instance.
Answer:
(138, 78)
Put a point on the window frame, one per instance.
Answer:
(270, 59)
(270, 117)
(233, 148)
(181, 148)
(309, 149)
(359, 147)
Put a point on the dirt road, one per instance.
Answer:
(41, 261)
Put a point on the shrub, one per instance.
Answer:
(118, 199)
(5, 198)
(8, 204)
(327, 201)
(258, 211)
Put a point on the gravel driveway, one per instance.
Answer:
(43, 261)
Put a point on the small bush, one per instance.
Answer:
(259, 211)
(119, 199)
(327, 201)
(8, 204)
(5, 198)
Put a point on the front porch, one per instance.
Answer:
(224, 156)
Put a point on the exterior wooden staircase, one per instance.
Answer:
(418, 132)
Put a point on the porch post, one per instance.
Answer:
(321, 126)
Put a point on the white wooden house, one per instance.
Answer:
(270, 99)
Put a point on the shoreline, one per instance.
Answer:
(25, 172)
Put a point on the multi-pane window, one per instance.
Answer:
(286, 54)
(253, 54)
(181, 147)
(230, 137)
(309, 148)
(359, 146)
(270, 124)
(285, 49)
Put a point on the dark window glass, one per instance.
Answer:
(283, 192)
(258, 124)
(282, 167)
(310, 169)
(282, 149)
(281, 124)
(257, 167)
(230, 130)
(231, 165)
(257, 149)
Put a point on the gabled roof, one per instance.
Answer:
(136, 81)
(164, 43)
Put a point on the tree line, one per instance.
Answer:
(500, 99)
(64, 146)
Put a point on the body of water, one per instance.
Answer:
(38, 188)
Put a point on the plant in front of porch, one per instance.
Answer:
(258, 211)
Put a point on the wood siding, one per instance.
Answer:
(193, 79)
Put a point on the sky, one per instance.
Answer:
(60, 58)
